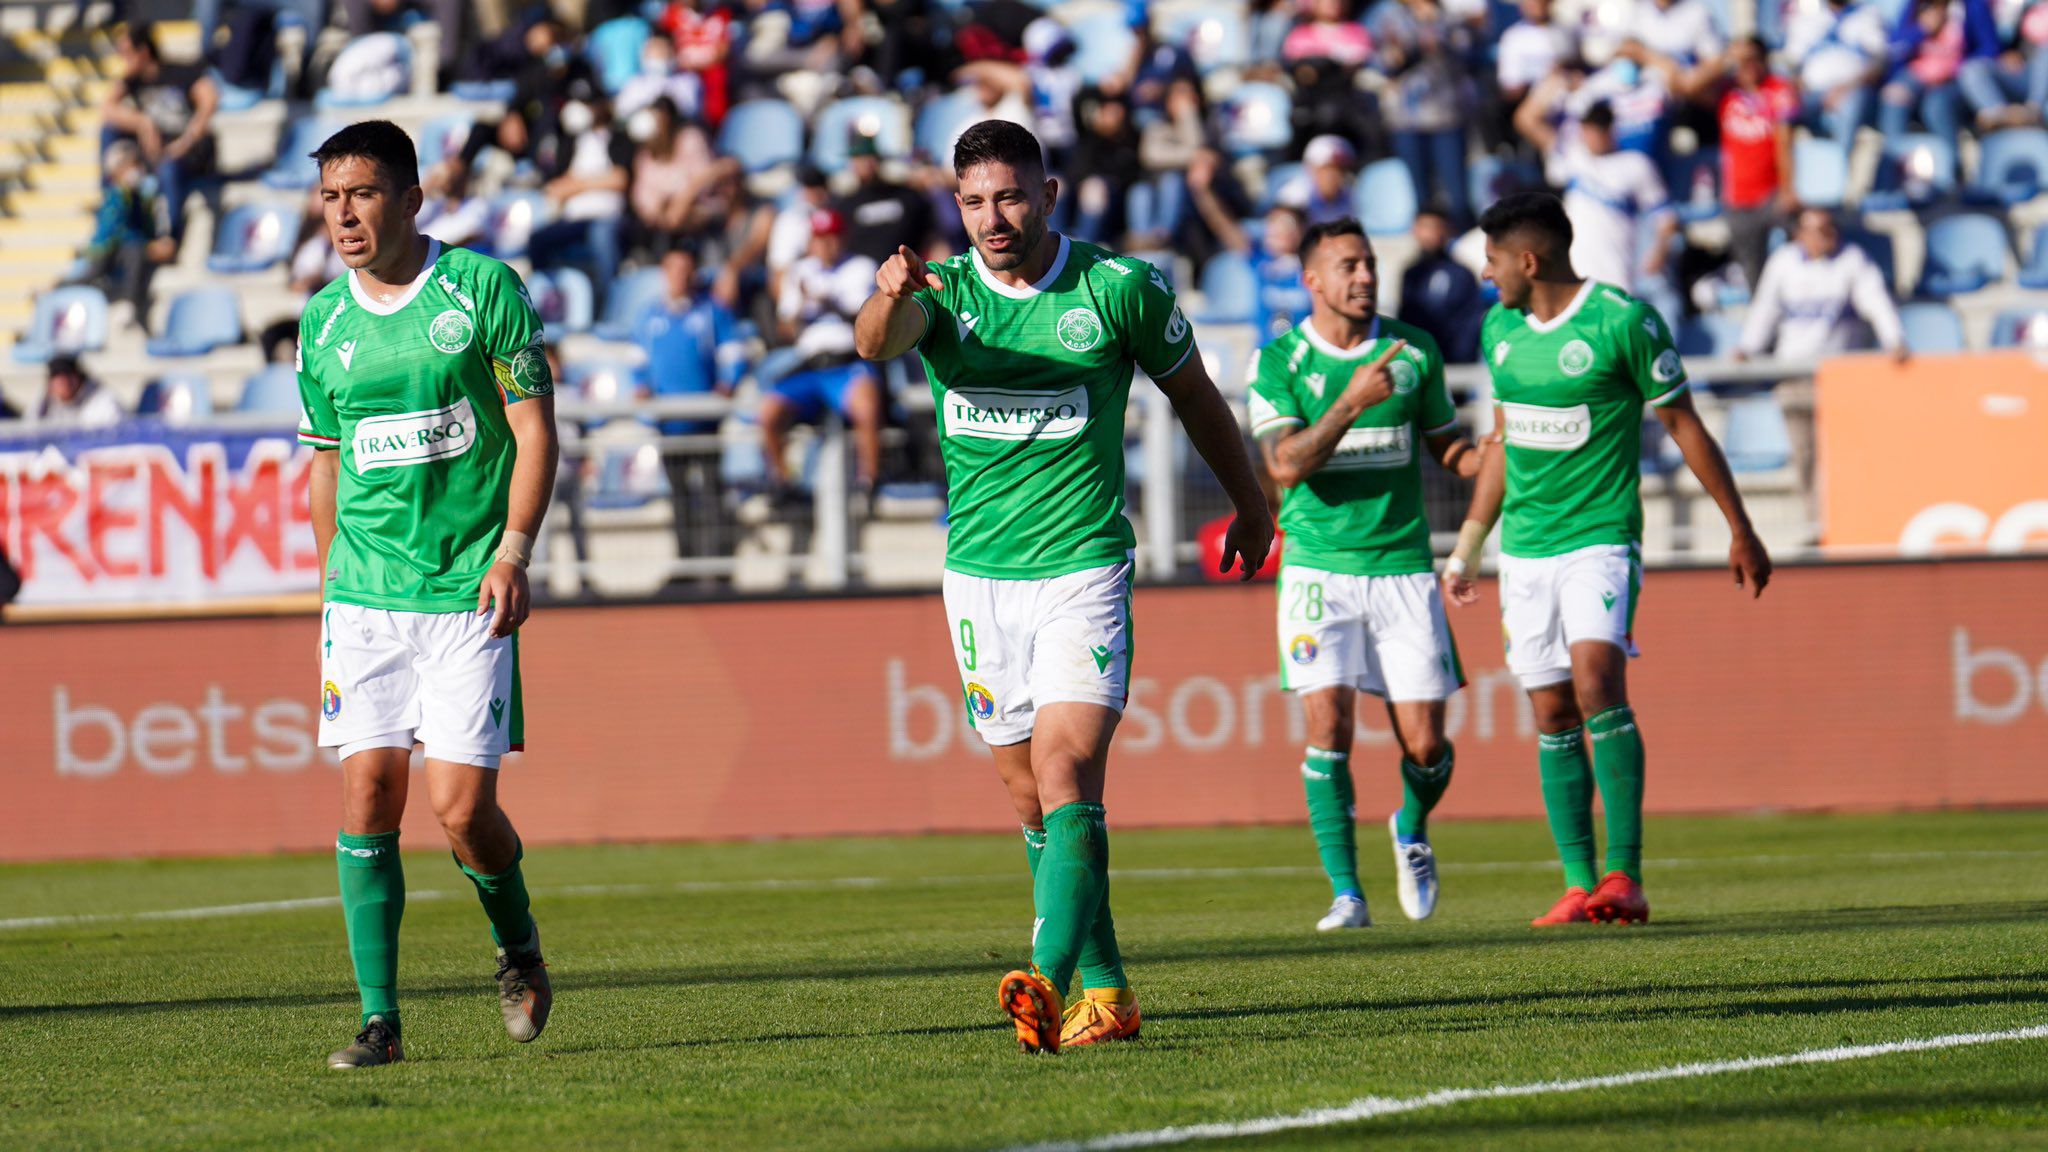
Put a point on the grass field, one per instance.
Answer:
(840, 994)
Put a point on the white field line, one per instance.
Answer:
(264, 907)
(1374, 1107)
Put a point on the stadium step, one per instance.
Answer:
(73, 149)
(39, 234)
(42, 206)
(30, 96)
(52, 177)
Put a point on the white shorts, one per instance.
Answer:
(1549, 604)
(1380, 634)
(1023, 644)
(390, 679)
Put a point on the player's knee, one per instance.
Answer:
(1555, 712)
(1330, 725)
(1425, 748)
(462, 817)
(1597, 691)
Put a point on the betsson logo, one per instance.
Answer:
(167, 739)
(1995, 686)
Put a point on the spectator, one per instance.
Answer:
(1323, 190)
(1930, 42)
(1424, 53)
(1678, 39)
(1275, 256)
(1609, 195)
(544, 82)
(1810, 294)
(1440, 295)
(2010, 89)
(906, 41)
(1055, 82)
(448, 211)
(1331, 32)
(1156, 68)
(1636, 84)
(132, 236)
(315, 263)
(1167, 146)
(789, 238)
(679, 185)
(658, 77)
(820, 296)
(168, 111)
(73, 400)
(587, 189)
(1757, 113)
(703, 44)
(881, 214)
(367, 16)
(1105, 166)
(1529, 51)
(693, 349)
(1841, 51)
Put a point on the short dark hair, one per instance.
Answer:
(1538, 212)
(997, 142)
(1600, 115)
(377, 140)
(1328, 230)
(142, 34)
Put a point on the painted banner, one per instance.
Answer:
(1847, 687)
(1941, 455)
(145, 512)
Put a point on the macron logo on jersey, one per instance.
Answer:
(990, 415)
(346, 351)
(415, 437)
(965, 323)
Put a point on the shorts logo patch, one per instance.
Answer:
(1102, 655)
(1607, 599)
(497, 711)
(1303, 649)
(330, 700)
(1576, 359)
(451, 331)
(980, 705)
(1080, 329)
(1403, 375)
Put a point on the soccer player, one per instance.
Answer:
(1574, 363)
(1029, 340)
(1339, 405)
(427, 392)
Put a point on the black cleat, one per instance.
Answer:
(376, 1044)
(523, 992)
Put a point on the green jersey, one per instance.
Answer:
(412, 393)
(1361, 512)
(1031, 385)
(1571, 394)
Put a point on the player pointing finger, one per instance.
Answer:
(905, 274)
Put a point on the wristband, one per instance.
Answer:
(515, 548)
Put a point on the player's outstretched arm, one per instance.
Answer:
(504, 592)
(1212, 428)
(891, 322)
(325, 478)
(1487, 494)
(1747, 558)
(1292, 457)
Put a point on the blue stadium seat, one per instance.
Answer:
(879, 116)
(294, 167)
(514, 216)
(1103, 45)
(1820, 171)
(1756, 438)
(200, 321)
(66, 320)
(941, 122)
(1258, 118)
(602, 381)
(443, 136)
(630, 296)
(274, 390)
(1711, 335)
(762, 134)
(177, 398)
(1488, 178)
(484, 91)
(1695, 184)
(1965, 252)
(1932, 326)
(1912, 171)
(613, 48)
(1215, 35)
(2012, 166)
(2020, 328)
(1384, 198)
(328, 100)
(1230, 290)
(564, 299)
(2035, 273)
(1278, 177)
(628, 476)
(254, 237)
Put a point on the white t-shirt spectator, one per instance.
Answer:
(824, 301)
(1831, 50)
(595, 156)
(93, 407)
(1528, 53)
(1685, 31)
(1608, 199)
(459, 224)
(1806, 308)
(790, 235)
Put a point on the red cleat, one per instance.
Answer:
(1570, 910)
(1618, 900)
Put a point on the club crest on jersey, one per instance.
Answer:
(1403, 375)
(1303, 649)
(1080, 329)
(1176, 326)
(1575, 359)
(330, 700)
(1500, 354)
(980, 705)
(451, 331)
(1667, 367)
(529, 372)
(1316, 381)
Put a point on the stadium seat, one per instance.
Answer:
(200, 321)
(1931, 326)
(940, 123)
(1230, 290)
(1258, 118)
(1215, 35)
(274, 390)
(2020, 328)
(602, 381)
(1488, 178)
(1278, 177)
(1103, 45)
(1384, 198)
(613, 48)
(253, 237)
(564, 299)
(66, 320)
(484, 91)
(878, 116)
(2012, 166)
(514, 216)
(390, 57)
(441, 137)
(1695, 183)
(630, 295)
(177, 399)
(1711, 335)
(1820, 171)
(627, 476)
(1913, 171)
(2035, 273)
(294, 166)
(762, 134)
(1965, 252)
(1756, 438)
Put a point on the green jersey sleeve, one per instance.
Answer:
(1157, 337)
(513, 335)
(1651, 357)
(1271, 401)
(1435, 413)
(319, 426)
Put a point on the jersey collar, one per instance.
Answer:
(1059, 263)
(371, 304)
(1323, 345)
(1570, 310)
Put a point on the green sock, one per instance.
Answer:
(1568, 799)
(372, 903)
(1326, 778)
(1618, 765)
(504, 899)
(1070, 889)
(1102, 963)
(1421, 788)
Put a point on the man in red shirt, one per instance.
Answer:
(1757, 113)
(702, 30)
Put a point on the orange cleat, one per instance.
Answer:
(1102, 1014)
(1570, 910)
(1034, 1005)
(1618, 900)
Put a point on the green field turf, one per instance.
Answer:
(840, 994)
